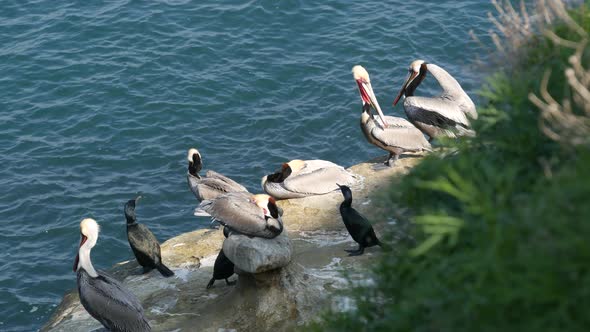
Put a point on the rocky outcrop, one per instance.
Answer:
(274, 300)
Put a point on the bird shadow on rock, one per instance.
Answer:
(379, 162)
(380, 167)
(128, 268)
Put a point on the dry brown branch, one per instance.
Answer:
(559, 9)
(561, 121)
(568, 120)
(497, 42)
(560, 41)
(525, 14)
(544, 93)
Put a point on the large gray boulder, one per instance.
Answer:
(256, 254)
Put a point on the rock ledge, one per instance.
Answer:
(273, 299)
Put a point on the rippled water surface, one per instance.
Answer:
(101, 100)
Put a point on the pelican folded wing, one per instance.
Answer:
(233, 186)
(409, 138)
(319, 181)
(238, 212)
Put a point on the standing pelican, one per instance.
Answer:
(253, 215)
(301, 178)
(398, 136)
(444, 115)
(213, 184)
(144, 244)
(105, 298)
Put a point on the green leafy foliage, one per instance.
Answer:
(499, 234)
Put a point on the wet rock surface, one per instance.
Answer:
(275, 300)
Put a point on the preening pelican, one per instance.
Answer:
(301, 178)
(399, 136)
(213, 184)
(105, 298)
(444, 115)
(253, 215)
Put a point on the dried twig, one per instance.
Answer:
(566, 121)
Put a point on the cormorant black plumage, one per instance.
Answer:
(144, 244)
(223, 268)
(358, 226)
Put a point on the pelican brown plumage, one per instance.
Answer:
(302, 178)
(398, 135)
(105, 298)
(213, 184)
(253, 215)
(444, 115)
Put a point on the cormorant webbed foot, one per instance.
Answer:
(357, 252)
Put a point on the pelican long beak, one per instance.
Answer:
(83, 239)
(409, 79)
(368, 92)
(76, 261)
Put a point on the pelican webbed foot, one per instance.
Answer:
(230, 283)
(392, 159)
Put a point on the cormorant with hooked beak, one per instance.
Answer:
(358, 226)
(144, 244)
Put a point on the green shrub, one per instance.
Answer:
(500, 232)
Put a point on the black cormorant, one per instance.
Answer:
(358, 226)
(144, 244)
(223, 268)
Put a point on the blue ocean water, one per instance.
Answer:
(100, 101)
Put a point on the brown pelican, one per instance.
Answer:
(444, 115)
(213, 184)
(399, 136)
(144, 244)
(301, 178)
(105, 298)
(253, 215)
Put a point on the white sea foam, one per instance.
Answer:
(324, 238)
